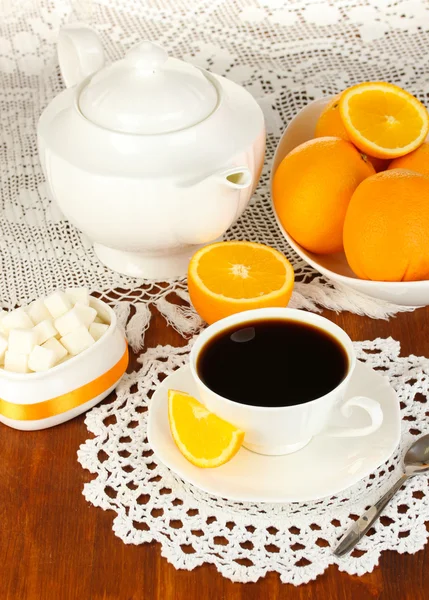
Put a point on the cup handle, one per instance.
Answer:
(372, 407)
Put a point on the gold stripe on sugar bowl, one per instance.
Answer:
(65, 402)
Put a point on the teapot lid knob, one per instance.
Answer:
(147, 57)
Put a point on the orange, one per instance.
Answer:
(229, 277)
(203, 438)
(418, 160)
(312, 188)
(383, 120)
(386, 230)
(331, 124)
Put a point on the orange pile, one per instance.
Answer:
(327, 196)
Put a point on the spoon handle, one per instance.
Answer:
(361, 526)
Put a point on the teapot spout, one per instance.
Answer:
(80, 53)
(237, 178)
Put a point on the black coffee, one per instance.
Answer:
(273, 362)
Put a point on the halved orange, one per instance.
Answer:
(202, 437)
(382, 119)
(229, 277)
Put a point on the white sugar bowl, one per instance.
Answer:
(30, 401)
(150, 156)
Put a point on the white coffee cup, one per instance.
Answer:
(286, 429)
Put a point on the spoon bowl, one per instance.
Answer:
(416, 462)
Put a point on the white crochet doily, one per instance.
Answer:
(284, 53)
(245, 540)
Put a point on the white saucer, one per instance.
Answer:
(323, 468)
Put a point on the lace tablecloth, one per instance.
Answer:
(245, 540)
(284, 53)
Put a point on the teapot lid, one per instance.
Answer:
(148, 93)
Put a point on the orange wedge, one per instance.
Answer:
(229, 277)
(383, 120)
(203, 438)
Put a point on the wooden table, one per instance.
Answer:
(56, 546)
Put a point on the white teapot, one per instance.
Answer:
(150, 156)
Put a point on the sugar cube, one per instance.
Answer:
(78, 340)
(44, 331)
(80, 295)
(16, 362)
(69, 322)
(17, 319)
(97, 330)
(86, 313)
(57, 304)
(3, 345)
(103, 313)
(56, 346)
(38, 312)
(22, 341)
(41, 359)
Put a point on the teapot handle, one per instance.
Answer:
(80, 53)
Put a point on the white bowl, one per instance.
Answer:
(335, 266)
(31, 401)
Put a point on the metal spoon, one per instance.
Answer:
(416, 461)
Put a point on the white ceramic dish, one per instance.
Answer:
(130, 149)
(323, 468)
(335, 266)
(30, 401)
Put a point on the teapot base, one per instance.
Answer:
(147, 266)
